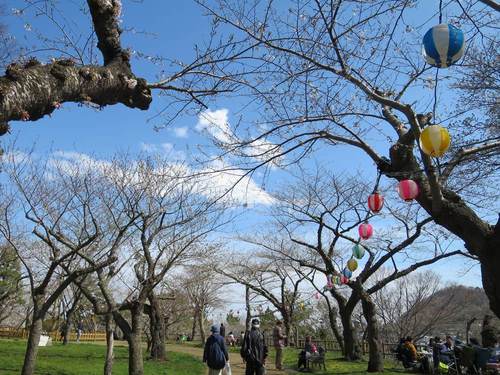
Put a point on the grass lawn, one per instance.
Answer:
(335, 364)
(88, 359)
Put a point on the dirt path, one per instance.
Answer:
(237, 365)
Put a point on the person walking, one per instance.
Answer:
(254, 350)
(215, 354)
(279, 344)
(79, 331)
(222, 330)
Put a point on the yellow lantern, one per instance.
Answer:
(434, 140)
(352, 264)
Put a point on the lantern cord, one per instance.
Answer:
(379, 174)
(440, 11)
(435, 95)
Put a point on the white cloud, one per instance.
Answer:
(213, 181)
(181, 132)
(165, 149)
(242, 189)
(216, 123)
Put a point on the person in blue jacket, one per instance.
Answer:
(215, 354)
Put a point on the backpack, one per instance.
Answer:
(216, 359)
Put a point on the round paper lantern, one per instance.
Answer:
(344, 280)
(408, 190)
(444, 45)
(317, 295)
(352, 264)
(336, 280)
(375, 202)
(347, 273)
(434, 140)
(365, 231)
(358, 251)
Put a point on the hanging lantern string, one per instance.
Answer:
(435, 95)
(440, 11)
(379, 174)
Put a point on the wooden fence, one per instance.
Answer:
(8, 332)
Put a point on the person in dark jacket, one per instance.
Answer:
(254, 350)
(222, 330)
(214, 339)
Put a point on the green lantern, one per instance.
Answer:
(358, 251)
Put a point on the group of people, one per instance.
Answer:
(437, 353)
(253, 351)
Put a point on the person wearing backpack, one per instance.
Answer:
(215, 354)
(254, 350)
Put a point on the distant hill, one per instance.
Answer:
(466, 303)
(445, 312)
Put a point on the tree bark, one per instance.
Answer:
(201, 318)
(195, 322)
(288, 326)
(490, 264)
(157, 330)
(33, 90)
(67, 323)
(375, 360)
(332, 316)
(351, 342)
(132, 333)
(248, 308)
(135, 360)
(32, 345)
(108, 362)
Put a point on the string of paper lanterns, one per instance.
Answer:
(443, 46)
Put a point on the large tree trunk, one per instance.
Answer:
(69, 318)
(201, 318)
(490, 264)
(108, 362)
(157, 330)
(195, 322)
(135, 360)
(332, 316)
(351, 342)
(375, 360)
(288, 326)
(32, 345)
(248, 308)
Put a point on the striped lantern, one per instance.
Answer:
(375, 202)
(336, 280)
(347, 273)
(344, 280)
(352, 264)
(358, 251)
(365, 231)
(434, 140)
(444, 45)
(329, 283)
(408, 190)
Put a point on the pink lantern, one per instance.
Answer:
(317, 295)
(408, 190)
(344, 280)
(365, 231)
(329, 283)
(375, 202)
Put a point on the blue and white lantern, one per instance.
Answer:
(444, 45)
(347, 273)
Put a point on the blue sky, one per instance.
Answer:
(173, 27)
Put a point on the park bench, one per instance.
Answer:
(317, 360)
